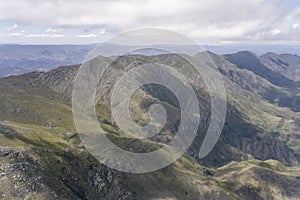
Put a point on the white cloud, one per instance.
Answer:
(219, 20)
(42, 35)
(226, 32)
(133, 13)
(87, 36)
(295, 26)
(102, 32)
(50, 30)
(17, 34)
(275, 31)
(12, 27)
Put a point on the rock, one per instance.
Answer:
(19, 111)
(5, 152)
(14, 155)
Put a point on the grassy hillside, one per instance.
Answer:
(37, 162)
(42, 157)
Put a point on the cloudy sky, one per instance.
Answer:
(207, 22)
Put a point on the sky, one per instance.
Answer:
(94, 21)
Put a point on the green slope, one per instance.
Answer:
(42, 157)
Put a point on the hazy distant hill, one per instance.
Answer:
(20, 59)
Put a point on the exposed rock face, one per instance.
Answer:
(42, 173)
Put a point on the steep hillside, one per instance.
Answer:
(249, 129)
(38, 163)
(285, 64)
(271, 85)
(42, 157)
(248, 60)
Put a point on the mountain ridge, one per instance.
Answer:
(256, 132)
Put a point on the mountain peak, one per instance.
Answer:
(244, 53)
(269, 54)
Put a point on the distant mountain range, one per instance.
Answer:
(20, 59)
